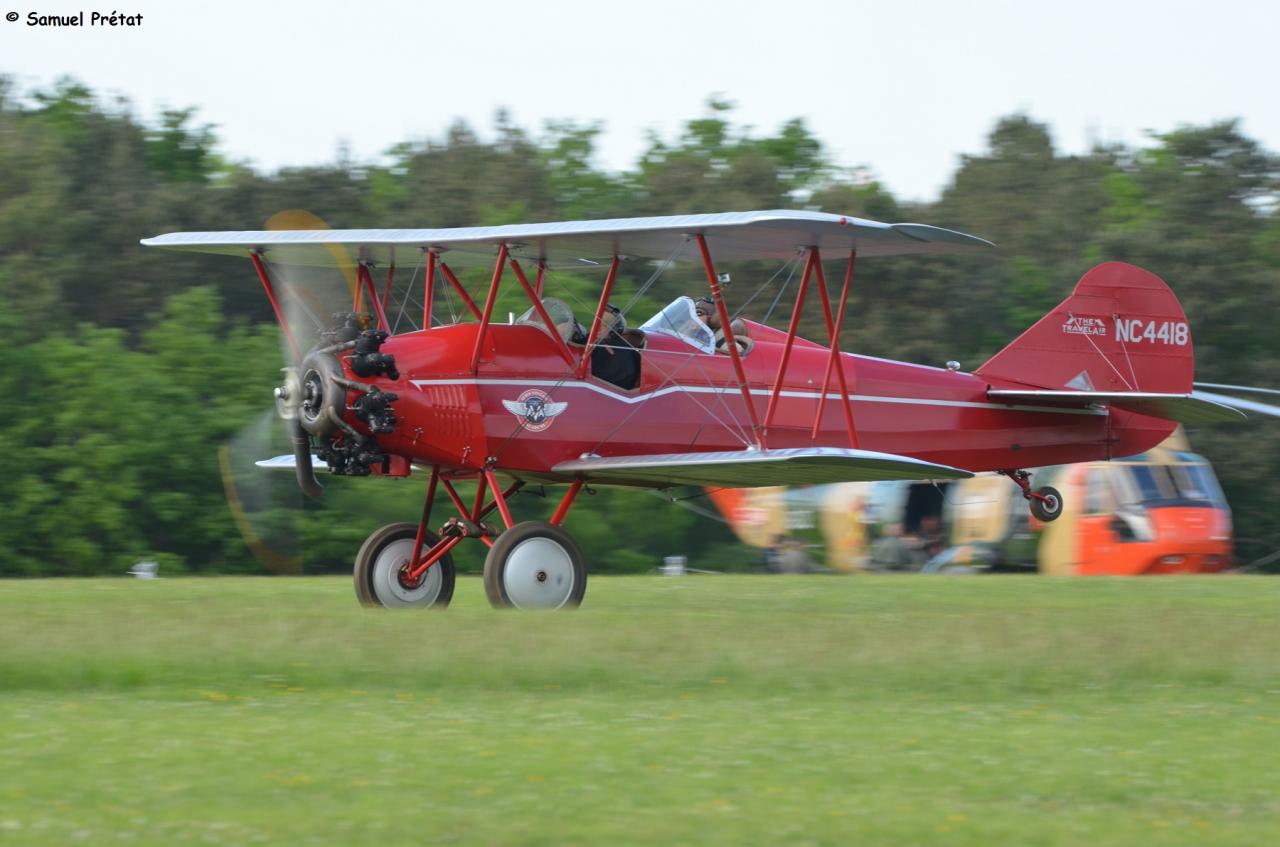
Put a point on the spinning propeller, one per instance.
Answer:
(309, 298)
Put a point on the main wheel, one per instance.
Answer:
(1050, 507)
(382, 558)
(535, 565)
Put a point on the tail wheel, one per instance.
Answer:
(1046, 504)
(535, 565)
(381, 562)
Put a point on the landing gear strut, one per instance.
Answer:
(382, 565)
(531, 565)
(1045, 502)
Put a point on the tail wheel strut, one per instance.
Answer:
(1045, 502)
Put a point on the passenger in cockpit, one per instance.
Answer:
(705, 308)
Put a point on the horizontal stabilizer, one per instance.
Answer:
(286, 463)
(1192, 408)
(752, 468)
(1242, 404)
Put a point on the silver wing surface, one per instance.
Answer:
(1193, 408)
(752, 468)
(731, 236)
(1242, 404)
(281, 463)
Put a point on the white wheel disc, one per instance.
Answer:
(538, 574)
(385, 582)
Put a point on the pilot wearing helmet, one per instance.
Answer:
(705, 308)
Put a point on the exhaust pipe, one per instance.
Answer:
(302, 462)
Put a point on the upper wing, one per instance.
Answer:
(751, 468)
(1196, 407)
(553, 409)
(515, 408)
(731, 236)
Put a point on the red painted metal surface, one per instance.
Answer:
(506, 495)
(386, 288)
(796, 311)
(481, 485)
(566, 503)
(731, 345)
(462, 292)
(429, 289)
(835, 357)
(265, 279)
(412, 575)
(833, 332)
(929, 413)
(365, 282)
(599, 316)
(499, 499)
(427, 502)
(536, 300)
(489, 300)
(457, 501)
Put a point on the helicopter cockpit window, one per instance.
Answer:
(1165, 483)
(1198, 484)
(680, 319)
(561, 315)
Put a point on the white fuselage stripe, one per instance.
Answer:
(733, 391)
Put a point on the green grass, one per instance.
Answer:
(702, 710)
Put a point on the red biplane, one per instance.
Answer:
(691, 396)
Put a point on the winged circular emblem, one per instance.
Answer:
(535, 409)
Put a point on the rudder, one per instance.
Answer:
(1122, 329)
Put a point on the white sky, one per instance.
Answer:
(904, 88)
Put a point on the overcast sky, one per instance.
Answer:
(903, 88)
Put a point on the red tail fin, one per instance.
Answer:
(1122, 329)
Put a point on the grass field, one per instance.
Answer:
(698, 710)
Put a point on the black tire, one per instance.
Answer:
(1050, 507)
(378, 565)
(525, 570)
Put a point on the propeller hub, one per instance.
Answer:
(320, 400)
(287, 395)
(312, 396)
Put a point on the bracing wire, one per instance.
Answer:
(791, 265)
(657, 272)
(795, 263)
(405, 299)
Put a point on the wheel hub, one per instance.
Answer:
(389, 582)
(538, 574)
(407, 582)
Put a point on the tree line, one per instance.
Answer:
(138, 383)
